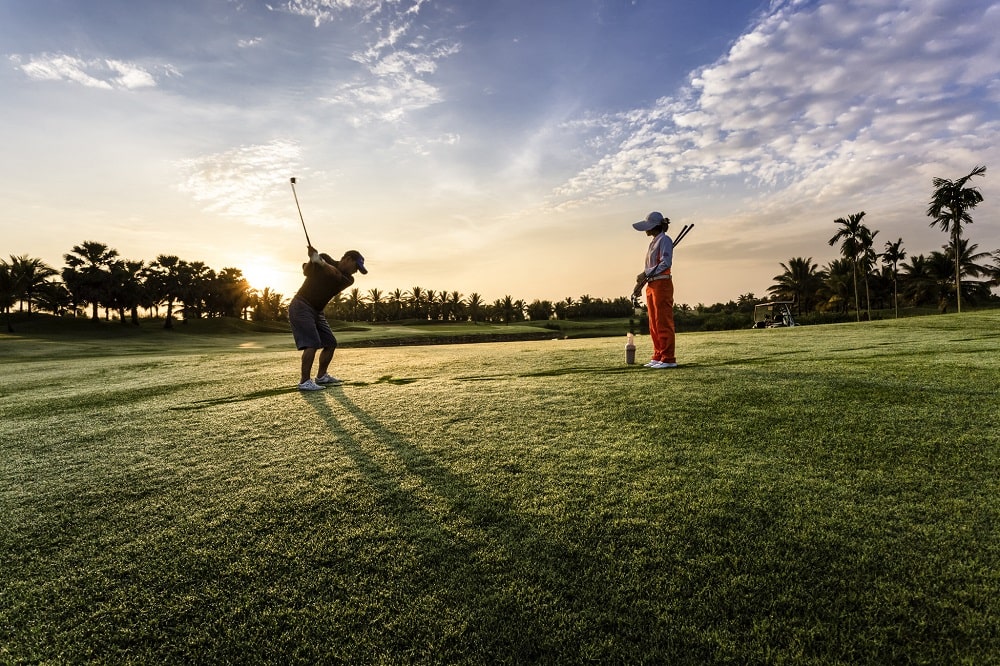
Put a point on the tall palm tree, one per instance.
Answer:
(88, 273)
(850, 237)
(868, 257)
(950, 205)
(894, 253)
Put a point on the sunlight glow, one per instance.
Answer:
(263, 272)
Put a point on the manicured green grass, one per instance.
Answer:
(823, 494)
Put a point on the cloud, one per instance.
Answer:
(821, 97)
(325, 11)
(105, 74)
(238, 182)
(397, 64)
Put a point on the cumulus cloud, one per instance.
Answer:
(815, 96)
(106, 74)
(238, 183)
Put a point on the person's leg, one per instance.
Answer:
(302, 318)
(654, 322)
(325, 357)
(308, 355)
(661, 319)
(329, 346)
(665, 309)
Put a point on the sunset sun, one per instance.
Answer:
(263, 272)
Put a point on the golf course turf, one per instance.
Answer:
(817, 495)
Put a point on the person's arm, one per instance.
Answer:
(319, 264)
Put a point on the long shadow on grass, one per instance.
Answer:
(520, 592)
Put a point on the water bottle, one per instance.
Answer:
(630, 349)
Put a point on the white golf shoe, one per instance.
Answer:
(310, 385)
(328, 379)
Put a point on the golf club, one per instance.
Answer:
(684, 232)
(308, 242)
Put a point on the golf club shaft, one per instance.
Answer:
(684, 232)
(299, 208)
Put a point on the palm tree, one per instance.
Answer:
(950, 206)
(375, 298)
(128, 288)
(456, 306)
(430, 297)
(415, 299)
(507, 309)
(231, 293)
(197, 280)
(88, 272)
(800, 282)
(270, 306)
(474, 304)
(993, 271)
(928, 280)
(396, 299)
(968, 259)
(29, 274)
(836, 289)
(850, 235)
(868, 256)
(53, 297)
(894, 253)
(167, 279)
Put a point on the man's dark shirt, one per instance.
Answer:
(319, 286)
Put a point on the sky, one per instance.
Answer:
(499, 148)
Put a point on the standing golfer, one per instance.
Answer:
(325, 278)
(659, 289)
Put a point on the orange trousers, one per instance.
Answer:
(660, 303)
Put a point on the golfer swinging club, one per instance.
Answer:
(659, 289)
(325, 278)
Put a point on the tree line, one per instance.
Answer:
(96, 279)
(863, 278)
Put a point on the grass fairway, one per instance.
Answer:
(822, 495)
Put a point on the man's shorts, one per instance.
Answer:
(309, 326)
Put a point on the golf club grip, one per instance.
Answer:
(683, 233)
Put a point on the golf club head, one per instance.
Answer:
(293, 180)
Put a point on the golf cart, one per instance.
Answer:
(777, 314)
